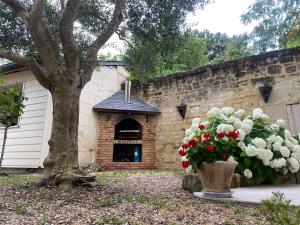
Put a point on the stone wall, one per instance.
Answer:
(234, 83)
(106, 133)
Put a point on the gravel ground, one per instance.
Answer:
(118, 198)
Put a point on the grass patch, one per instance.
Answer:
(44, 219)
(111, 220)
(18, 180)
(21, 208)
(107, 202)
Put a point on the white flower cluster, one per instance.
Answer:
(278, 152)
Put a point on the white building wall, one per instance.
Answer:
(27, 144)
(24, 142)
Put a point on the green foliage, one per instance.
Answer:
(11, 105)
(111, 220)
(21, 208)
(276, 20)
(145, 58)
(18, 180)
(279, 211)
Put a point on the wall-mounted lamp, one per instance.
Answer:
(265, 91)
(182, 110)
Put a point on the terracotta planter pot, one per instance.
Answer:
(216, 178)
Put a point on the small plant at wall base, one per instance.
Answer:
(11, 108)
(263, 150)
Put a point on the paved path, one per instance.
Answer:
(254, 195)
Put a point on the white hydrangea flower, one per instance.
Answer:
(266, 162)
(287, 134)
(196, 121)
(264, 154)
(222, 117)
(225, 139)
(271, 139)
(228, 128)
(241, 145)
(231, 159)
(246, 127)
(189, 169)
(280, 122)
(185, 139)
(296, 148)
(265, 117)
(242, 134)
(274, 127)
(288, 143)
(251, 150)
(277, 146)
(227, 110)
(248, 121)
(285, 171)
(233, 119)
(293, 165)
(194, 127)
(296, 155)
(257, 113)
(241, 113)
(248, 173)
(188, 132)
(237, 124)
(220, 128)
(184, 158)
(278, 163)
(259, 142)
(205, 123)
(285, 152)
(213, 112)
(279, 139)
(293, 141)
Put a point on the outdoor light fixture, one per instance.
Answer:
(182, 110)
(265, 91)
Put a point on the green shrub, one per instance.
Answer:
(21, 208)
(279, 211)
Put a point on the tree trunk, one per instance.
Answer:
(61, 163)
(3, 146)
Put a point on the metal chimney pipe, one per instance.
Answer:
(128, 91)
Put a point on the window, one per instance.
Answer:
(20, 87)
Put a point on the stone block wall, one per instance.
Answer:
(234, 83)
(106, 132)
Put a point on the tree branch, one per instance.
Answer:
(37, 9)
(66, 26)
(91, 58)
(31, 64)
(17, 7)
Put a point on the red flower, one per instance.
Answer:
(207, 135)
(202, 126)
(233, 134)
(185, 145)
(210, 148)
(224, 156)
(198, 137)
(205, 142)
(185, 164)
(181, 152)
(220, 135)
(192, 143)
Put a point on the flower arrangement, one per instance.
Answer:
(262, 149)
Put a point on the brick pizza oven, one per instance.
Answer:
(126, 132)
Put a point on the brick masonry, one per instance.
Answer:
(234, 83)
(106, 129)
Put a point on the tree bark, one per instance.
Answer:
(3, 146)
(61, 163)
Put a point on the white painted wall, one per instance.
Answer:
(27, 144)
(24, 142)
